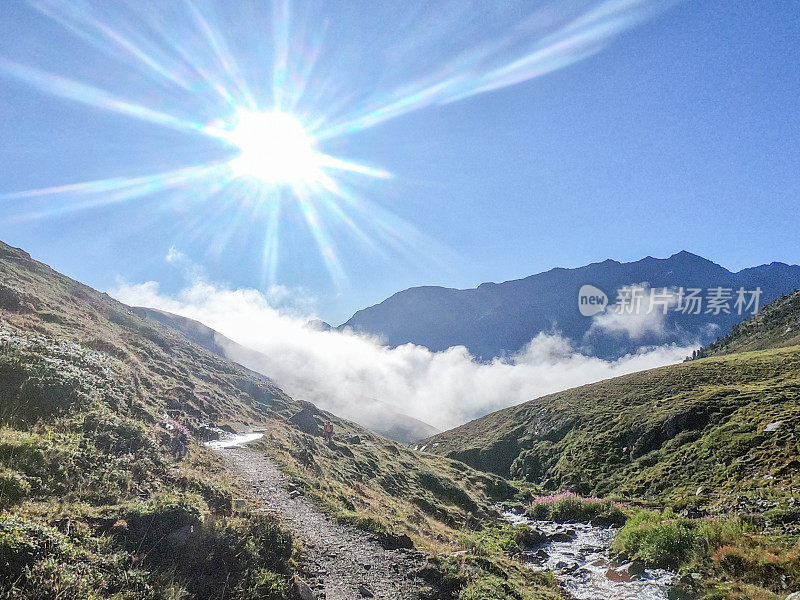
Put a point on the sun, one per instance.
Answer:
(275, 148)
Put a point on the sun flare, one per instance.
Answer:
(275, 148)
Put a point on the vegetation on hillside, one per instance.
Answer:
(703, 432)
(777, 325)
(403, 497)
(96, 505)
(715, 440)
(93, 502)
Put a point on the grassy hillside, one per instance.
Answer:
(95, 504)
(370, 413)
(716, 440)
(776, 326)
(712, 428)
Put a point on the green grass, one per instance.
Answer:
(93, 503)
(96, 506)
(570, 508)
(734, 557)
(661, 435)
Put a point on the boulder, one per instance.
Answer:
(392, 541)
(618, 575)
(693, 512)
(302, 590)
(631, 570)
(532, 536)
(561, 536)
(306, 420)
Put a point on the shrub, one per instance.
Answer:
(772, 567)
(571, 508)
(659, 540)
(13, 488)
(250, 554)
(783, 515)
(489, 587)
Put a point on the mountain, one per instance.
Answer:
(711, 429)
(369, 412)
(499, 319)
(777, 326)
(708, 450)
(99, 498)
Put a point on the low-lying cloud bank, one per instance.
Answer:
(338, 370)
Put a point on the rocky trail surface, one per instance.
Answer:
(340, 563)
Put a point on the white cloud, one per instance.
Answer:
(174, 255)
(639, 311)
(338, 370)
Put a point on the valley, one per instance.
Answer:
(690, 472)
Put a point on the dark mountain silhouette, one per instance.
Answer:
(499, 319)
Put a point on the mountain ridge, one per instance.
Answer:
(498, 319)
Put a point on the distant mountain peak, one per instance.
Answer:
(497, 319)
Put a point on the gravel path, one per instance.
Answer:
(340, 563)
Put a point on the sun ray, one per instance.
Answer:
(77, 19)
(489, 67)
(269, 256)
(93, 96)
(113, 190)
(227, 62)
(274, 102)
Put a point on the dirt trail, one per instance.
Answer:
(341, 563)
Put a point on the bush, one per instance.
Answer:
(659, 540)
(250, 554)
(489, 587)
(783, 515)
(38, 562)
(771, 568)
(571, 508)
(13, 488)
(161, 531)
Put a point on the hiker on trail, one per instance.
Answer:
(328, 431)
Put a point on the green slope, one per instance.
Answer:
(724, 426)
(704, 456)
(93, 503)
(776, 326)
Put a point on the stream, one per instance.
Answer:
(579, 556)
(234, 440)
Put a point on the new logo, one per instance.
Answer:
(591, 300)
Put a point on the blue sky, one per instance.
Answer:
(678, 130)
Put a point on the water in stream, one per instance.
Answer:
(585, 568)
(234, 440)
